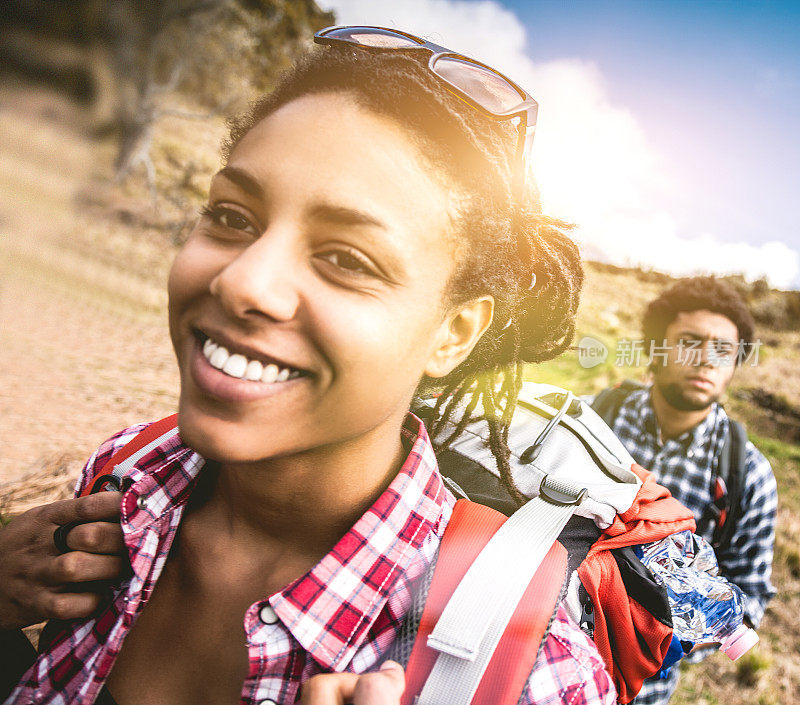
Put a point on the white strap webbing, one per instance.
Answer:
(482, 605)
(122, 468)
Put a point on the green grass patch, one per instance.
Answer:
(788, 555)
(696, 694)
(750, 667)
(566, 370)
(774, 448)
(785, 460)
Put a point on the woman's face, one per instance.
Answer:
(323, 257)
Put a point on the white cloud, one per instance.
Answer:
(458, 23)
(592, 158)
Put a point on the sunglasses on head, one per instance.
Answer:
(488, 91)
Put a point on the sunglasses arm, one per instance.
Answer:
(522, 161)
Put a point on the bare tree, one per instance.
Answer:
(122, 57)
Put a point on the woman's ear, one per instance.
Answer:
(460, 331)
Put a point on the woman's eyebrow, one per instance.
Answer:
(342, 215)
(336, 215)
(391, 259)
(243, 180)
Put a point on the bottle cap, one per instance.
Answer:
(741, 640)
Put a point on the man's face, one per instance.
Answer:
(700, 359)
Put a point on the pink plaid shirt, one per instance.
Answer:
(343, 615)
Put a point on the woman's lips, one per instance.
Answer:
(225, 387)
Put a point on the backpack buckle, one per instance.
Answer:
(566, 401)
(560, 492)
(563, 399)
(102, 482)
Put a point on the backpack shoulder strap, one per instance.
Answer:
(609, 401)
(731, 472)
(120, 462)
(469, 530)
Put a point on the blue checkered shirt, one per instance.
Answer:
(686, 466)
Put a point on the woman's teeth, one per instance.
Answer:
(239, 366)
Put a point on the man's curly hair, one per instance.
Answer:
(696, 294)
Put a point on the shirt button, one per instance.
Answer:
(141, 502)
(267, 702)
(268, 616)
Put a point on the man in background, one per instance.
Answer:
(698, 331)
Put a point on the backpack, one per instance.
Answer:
(556, 438)
(727, 479)
(461, 648)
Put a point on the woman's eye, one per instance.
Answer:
(230, 218)
(348, 261)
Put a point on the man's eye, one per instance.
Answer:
(348, 260)
(229, 218)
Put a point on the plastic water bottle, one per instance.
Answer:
(706, 608)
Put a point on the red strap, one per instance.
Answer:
(722, 501)
(468, 531)
(139, 441)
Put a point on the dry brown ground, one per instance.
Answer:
(84, 349)
(75, 328)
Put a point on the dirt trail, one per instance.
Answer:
(70, 328)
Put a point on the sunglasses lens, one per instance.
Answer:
(368, 37)
(485, 87)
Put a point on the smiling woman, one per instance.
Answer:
(363, 243)
(317, 286)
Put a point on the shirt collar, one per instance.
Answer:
(706, 429)
(159, 483)
(331, 609)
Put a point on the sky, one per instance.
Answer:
(668, 131)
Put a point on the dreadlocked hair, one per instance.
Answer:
(503, 247)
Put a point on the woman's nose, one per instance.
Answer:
(261, 281)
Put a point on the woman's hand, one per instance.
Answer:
(39, 582)
(384, 687)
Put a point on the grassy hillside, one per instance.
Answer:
(83, 306)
